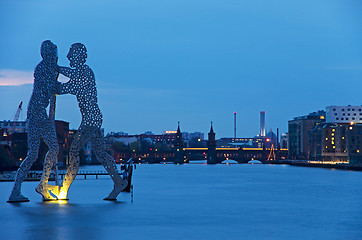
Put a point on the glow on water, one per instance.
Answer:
(196, 201)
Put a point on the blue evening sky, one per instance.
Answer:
(194, 61)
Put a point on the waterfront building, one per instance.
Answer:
(334, 143)
(18, 139)
(117, 134)
(254, 142)
(189, 136)
(315, 139)
(284, 141)
(62, 130)
(125, 139)
(299, 130)
(258, 142)
(148, 133)
(234, 142)
(344, 114)
(88, 152)
(353, 143)
(13, 126)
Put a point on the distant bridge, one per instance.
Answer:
(241, 155)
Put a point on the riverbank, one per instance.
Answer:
(319, 165)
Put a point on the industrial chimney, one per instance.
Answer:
(234, 124)
(262, 123)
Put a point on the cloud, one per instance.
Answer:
(12, 77)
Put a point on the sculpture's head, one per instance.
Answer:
(49, 51)
(77, 54)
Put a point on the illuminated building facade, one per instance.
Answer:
(334, 143)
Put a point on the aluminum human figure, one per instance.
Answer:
(39, 125)
(82, 84)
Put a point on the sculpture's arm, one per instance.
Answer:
(68, 87)
(66, 71)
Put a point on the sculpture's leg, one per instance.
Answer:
(80, 139)
(109, 164)
(50, 138)
(33, 144)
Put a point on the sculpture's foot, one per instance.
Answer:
(110, 199)
(54, 190)
(63, 193)
(43, 190)
(116, 190)
(19, 198)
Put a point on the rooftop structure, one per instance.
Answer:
(344, 114)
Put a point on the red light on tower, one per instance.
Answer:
(268, 140)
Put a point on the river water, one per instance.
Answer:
(196, 201)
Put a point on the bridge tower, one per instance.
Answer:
(179, 156)
(211, 147)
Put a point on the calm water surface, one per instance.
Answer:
(196, 201)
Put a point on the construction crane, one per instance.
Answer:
(16, 118)
(7, 133)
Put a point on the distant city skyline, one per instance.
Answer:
(157, 63)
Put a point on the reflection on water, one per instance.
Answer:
(197, 201)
